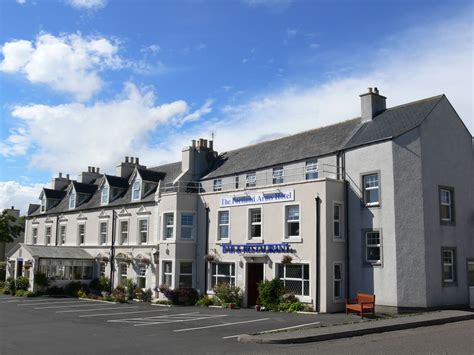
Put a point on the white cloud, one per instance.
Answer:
(274, 5)
(13, 193)
(21, 2)
(87, 4)
(152, 48)
(67, 63)
(72, 136)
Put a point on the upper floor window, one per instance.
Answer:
(251, 180)
(449, 265)
(143, 231)
(292, 221)
(446, 205)
(35, 235)
(43, 204)
(217, 184)
(47, 235)
(255, 219)
(371, 189)
(223, 228)
(312, 170)
(236, 181)
(81, 234)
(136, 190)
(62, 234)
(337, 221)
(187, 225)
(168, 226)
(105, 195)
(373, 247)
(72, 200)
(278, 175)
(103, 233)
(123, 232)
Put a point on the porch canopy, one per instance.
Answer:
(57, 252)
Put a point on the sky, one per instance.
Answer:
(87, 82)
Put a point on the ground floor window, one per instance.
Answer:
(123, 272)
(59, 269)
(141, 276)
(449, 265)
(295, 278)
(167, 273)
(337, 281)
(222, 273)
(186, 274)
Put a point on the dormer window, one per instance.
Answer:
(105, 195)
(72, 200)
(43, 204)
(136, 190)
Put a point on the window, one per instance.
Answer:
(222, 273)
(123, 232)
(295, 278)
(255, 216)
(223, 228)
(449, 265)
(446, 205)
(62, 234)
(105, 195)
(371, 189)
(186, 274)
(141, 276)
(102, 268)
(66, 269)
(143, 231)
(312, 170)
(168, 225)
(81, 234)
(373, 246)
(337, 281)
(103, 233)
(292, 221)
(168, 273)
(278, 175)
(136, 189)
(187, 226)
(251, 180)
(217, 184)
(47, 235)
(72, 200)
(43, 204)
(35, 235)
(236, 181)
(337, 221)
(123, 272)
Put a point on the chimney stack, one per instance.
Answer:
(372, 103)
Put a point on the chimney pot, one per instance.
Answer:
(370, 89)
(211, 145)
(205, 143)
(67, 176)
(126, 159)
(98, 170)
(137, 160)
(376, 91)
(13, 207)
(131, 160)
(193, 143)
(60, 175)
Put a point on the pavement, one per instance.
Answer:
(322, 333)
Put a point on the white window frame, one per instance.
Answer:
(337, 237)
(141, 275)
(287, 222)
(105, 195)
(168, 226)
(217, 185)
(278, 175)
(72, 200)
(367, 246)
(140, 231)
(219, 225)
(251, 179)
(62, 236)
(340, 298)
(122, 276)
(46, 234)
(121, 242)
(34, 236)
(250, 224)
(164, 273)
(181, 226)
(452, 264)
(79, 225)
(44, 202)
(186, 274)
(311, 167)
(369, 188)
(449, 204)
(136, 183)
(101, 233)
(215, 277)
(302, 279)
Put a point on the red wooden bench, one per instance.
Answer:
(363, 304)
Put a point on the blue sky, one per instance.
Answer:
(85, 82)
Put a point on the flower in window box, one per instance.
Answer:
(286, 259)
(124, 258)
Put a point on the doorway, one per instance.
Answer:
(19, 268)
(254, 276)
(470, 282)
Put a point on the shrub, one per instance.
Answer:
(41, 280)
(227, 294)
(10, 285)
(94, 284)
(164, 302)
(20, 293)
(270, 293)
(6, 291)
(109, 298)
(55, 290)
(119, 294)
(2, 284)
(104, 284)
(82, 294)
(129, 288)
(73, 288)
(205, 301)
(184, 296)
(147, 295)
(22, 283)
(32, 294)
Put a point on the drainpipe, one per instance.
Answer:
(346, 224)
(318, 252)
(57, 229)
(206, 249)
(112, 253)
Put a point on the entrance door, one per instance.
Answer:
(470, 280)
(19, 268)
(254, 276)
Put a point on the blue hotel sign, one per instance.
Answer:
(262, 197)
(255, 248)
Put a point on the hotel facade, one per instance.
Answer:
(381, 204)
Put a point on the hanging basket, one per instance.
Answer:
(286, 259)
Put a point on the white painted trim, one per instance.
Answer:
(254, 240)
(228, 239)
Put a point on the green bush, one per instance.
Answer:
(41, 280)
(163, 302)
(147, 295)
(6, 291)
(2, 284)
(10, 285)
(205, 301)
(109, 298)
(119, 294)
(55, 290)
(270, 294)
(104, 284)
(184, 296)
(296, 307)
(22, 283)
(20, 293)
(31, 294)
(94, 284)
(228, 294)
(82, 294)
(129, 288)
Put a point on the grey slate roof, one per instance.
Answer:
(84, 188)
(117, 181)
(171, 171)
(57, 252)
(54, 194)
(151, 175)
(32, 208)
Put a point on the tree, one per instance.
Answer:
(9, 228)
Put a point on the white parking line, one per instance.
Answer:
(220, 325)
(274, 330)
(10, 301)
(120, 313)
(178, 320)
(93, 309)
(47, 302)
(139, 319)
(70, 305)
